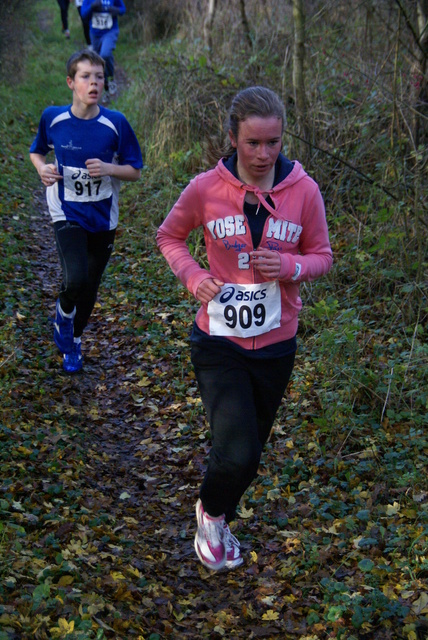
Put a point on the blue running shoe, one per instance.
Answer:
(73, 361)
(63, 329)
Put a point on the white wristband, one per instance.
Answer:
(297, 271)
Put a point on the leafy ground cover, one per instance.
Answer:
(100, 471)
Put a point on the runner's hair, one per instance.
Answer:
(86, 54)
(260, 102)
(257, 101)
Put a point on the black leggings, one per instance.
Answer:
(241, 396)
(86, 26)
(83, 256)
(63, 5)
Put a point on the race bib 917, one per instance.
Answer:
(80, 187)
(244, 311)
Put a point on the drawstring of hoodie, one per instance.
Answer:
(259, 195)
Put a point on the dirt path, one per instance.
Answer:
(141, 475)
(106, 355)
(126, 452)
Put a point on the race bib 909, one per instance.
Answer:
(244, 311)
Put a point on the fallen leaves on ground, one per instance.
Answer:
(101, 470)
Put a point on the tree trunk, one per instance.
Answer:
(245, 24)
(420, 80)
(299, 78)
(208, 24)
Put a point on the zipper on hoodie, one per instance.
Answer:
(255, 247)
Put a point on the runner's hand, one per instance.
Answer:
(208, 289)
(97, 168)
(49, 174)
(267, 263)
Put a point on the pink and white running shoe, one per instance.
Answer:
(233, 552)
(209, 539)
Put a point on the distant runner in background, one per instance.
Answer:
(85, 23)
(104, 31)
(63, 5)
(265, 232)
(95, 148)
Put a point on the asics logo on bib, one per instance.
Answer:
(80, 174)
(227, 294)
(247, 296)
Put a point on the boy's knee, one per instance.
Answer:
(75, 287)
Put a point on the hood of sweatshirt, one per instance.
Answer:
(287, 174)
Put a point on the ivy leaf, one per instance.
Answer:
(366, 565)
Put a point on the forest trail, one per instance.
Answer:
(140, 477)
(101, 469)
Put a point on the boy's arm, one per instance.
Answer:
(126, 172)
(98, 168)
(48, 172)
(88, 7)
(118, 9)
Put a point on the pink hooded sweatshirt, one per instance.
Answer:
(296, 228)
